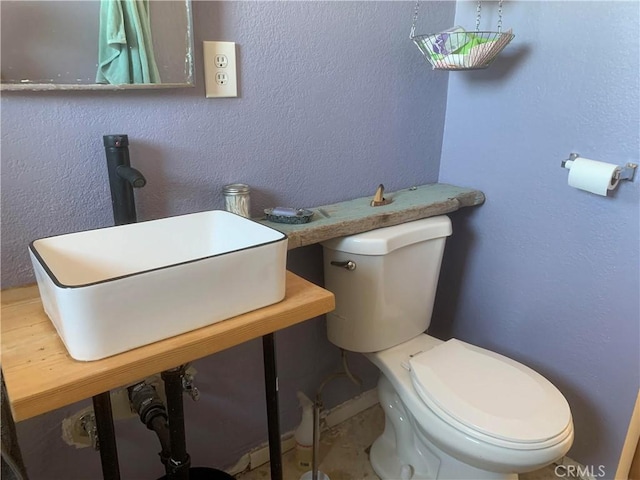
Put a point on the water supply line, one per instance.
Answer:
(345, 372)
(317, 405)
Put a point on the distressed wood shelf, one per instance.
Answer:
(41, 376)
(356, 216)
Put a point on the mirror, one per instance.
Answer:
(59, 45)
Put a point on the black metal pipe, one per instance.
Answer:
(124, 211)
(122, 178)
(273, 411)
(161, 427)
(177, 467)
(106, 436)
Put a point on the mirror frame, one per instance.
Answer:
(189, 82)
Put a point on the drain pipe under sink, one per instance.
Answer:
(152, 412)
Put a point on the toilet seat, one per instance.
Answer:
(489, 396)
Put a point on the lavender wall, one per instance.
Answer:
(543, 272)
(333, 101)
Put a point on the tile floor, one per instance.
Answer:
(344, 452)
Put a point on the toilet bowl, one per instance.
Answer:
(460, 428)
(452, 410)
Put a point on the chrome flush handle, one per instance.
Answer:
(348, 264)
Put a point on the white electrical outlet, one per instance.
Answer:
(220, 75)
(222, 78)
(221, 61)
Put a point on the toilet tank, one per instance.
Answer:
(388, 297)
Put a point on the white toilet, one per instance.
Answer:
(452, 410)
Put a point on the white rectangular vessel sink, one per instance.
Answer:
(113, 289)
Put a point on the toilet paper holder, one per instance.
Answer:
(623, 172)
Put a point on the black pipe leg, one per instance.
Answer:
(178, 465)
(273, 412)
(106, 436)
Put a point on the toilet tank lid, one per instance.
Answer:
(385, 240)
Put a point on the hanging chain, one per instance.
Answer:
(479, 9)
(478, 16)
(415, 19)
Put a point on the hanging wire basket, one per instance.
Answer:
(460, 50)
(457, 49)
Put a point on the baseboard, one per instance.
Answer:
(350, 408)
(260, 456)
(329, 419)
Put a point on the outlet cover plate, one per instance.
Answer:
(220, 63)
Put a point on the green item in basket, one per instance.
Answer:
(473, 42)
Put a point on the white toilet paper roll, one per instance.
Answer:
(593, 176)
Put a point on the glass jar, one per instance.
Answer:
(237, 199)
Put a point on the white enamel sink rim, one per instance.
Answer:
(112, 306)
(160, 223)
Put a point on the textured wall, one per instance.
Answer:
(334, 100)
(543, 272)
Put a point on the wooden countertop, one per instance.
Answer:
(41, 376)
(356, 216)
